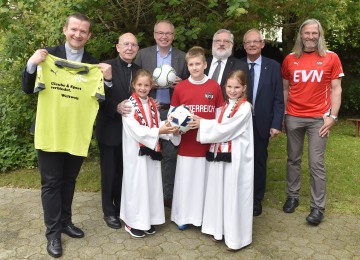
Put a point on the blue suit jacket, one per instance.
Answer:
(269, 109)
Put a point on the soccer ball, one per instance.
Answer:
(180, 116)
(164, 76)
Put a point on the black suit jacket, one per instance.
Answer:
(269, 104)
(108, 129)
(232, 64)
(28, 80)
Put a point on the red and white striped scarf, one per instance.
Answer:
(140, 116)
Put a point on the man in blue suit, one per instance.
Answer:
(265, 93)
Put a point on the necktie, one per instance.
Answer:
(215, 75)
(252, 84)
(252, 75)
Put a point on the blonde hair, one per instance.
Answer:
(240, 76)
(195, 51)
(299, 45)
(143, 73)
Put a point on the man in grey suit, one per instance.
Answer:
(265, 93)
(223, 42)
(150, 58)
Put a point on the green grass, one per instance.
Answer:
(342, 172)
(342, 166)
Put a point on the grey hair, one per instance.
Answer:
(164, 21)
(224, 31)
(321, 46)
(254, 30)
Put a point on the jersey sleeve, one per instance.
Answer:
(337, 71)
(175, 97)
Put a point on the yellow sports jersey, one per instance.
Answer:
(67, 105)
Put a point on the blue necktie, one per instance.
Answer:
(252, 83)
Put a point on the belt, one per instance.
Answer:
(164, 106)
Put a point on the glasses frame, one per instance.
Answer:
(167, 34)
(255, 42)
(218, 41)
(129, 44)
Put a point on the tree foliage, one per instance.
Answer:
(27, 25)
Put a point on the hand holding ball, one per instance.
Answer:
(164, 76)
(180, 116)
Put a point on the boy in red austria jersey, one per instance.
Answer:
(142, 204)
(228, 207)
(204, 98)
(312, 94)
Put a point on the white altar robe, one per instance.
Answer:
(142, 203)
(228, 208)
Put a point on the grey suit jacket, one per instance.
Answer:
(146, 59)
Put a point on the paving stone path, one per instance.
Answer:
(276, 235)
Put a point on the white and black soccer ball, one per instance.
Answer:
(164, 76)
(180, 116)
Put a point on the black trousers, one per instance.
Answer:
(58, 177)
(111, 164)
(260, 158)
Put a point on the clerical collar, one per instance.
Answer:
(198, 82)
(124, 63)
(73, 55)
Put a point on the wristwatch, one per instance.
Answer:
(334, 117)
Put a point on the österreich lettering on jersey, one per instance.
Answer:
(67, 105)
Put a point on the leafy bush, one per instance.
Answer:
(16, 143)
(350, 104)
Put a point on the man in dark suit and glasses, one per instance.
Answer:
(265, 93)
(108, 129)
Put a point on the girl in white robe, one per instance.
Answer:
(228, 209)
(142, 204)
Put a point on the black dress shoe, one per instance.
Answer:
(112, 221)
(73, 231)
(54, 248)
(315, 217)
(290, 205)
(257, 210)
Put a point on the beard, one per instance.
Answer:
(221, 54)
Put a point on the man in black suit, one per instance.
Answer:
(108, 129)
(265, 93)
(60, 169)
(149, 58)
(223, 42)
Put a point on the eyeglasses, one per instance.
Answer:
(222, 41)
(167, 34)
(256, 42)
(129, 44)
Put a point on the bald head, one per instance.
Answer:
(127, 47)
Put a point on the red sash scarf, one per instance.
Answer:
(222, 152)
(140, 116)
